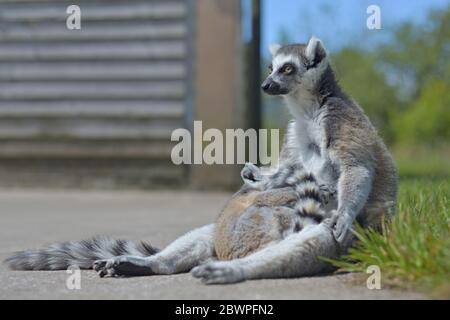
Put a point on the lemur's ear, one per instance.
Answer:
(273, 48)
(315, 51)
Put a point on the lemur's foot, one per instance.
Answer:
(219, 272)
(251, 174)
(121, 266)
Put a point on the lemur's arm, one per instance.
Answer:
(348, 142)
(354, 186)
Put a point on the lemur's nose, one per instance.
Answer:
(270, 87)
(265, 86)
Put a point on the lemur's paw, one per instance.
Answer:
(120, 266)
(326, 193)
(251, 173)
(342, 226)
(218, 272)
(330, 221)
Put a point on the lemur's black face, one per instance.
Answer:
(279, 81)
(293, 67)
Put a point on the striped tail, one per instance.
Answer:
(310, 205)
(82, 253)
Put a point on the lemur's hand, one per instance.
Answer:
(326, 193)
(251, 174)
(342, 222)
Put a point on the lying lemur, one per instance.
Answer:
(266, 211)
(273, 227)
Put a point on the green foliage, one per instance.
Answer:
(414, 249)
(419, 61)
(419, 53)
(427, 120)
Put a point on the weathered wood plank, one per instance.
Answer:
(126, 50)
(15, 71)
(85, 149)
(92, 90)
(93, 11)
(120, 30)
(87, 128)
(158, 109)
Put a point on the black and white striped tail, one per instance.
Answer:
(82, 253)
(312, 198)
(310, 203)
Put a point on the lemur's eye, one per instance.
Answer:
(287, 69)
(270, 68)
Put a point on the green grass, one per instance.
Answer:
(413, 251)
(424, 162)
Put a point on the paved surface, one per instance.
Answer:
(30, 219)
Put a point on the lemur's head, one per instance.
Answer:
(296, 66)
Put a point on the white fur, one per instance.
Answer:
(311, 47)
(273, 48)
(306, 130)
(280, 59)
(301, 103)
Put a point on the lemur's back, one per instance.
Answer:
(251, 220)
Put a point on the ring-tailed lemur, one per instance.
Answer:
(330, 137)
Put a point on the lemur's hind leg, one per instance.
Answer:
(188, 251)
(295, 256)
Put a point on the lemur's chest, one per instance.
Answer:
(310, 138)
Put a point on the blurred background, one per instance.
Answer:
(95, 108)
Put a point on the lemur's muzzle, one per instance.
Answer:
(273, 88)
(270, 87)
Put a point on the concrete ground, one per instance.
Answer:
(30, 219)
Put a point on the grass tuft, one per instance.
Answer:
(413, 251)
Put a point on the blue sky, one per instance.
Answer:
(337, 23)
